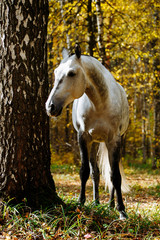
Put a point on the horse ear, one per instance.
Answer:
(77, 50)
(65, 53)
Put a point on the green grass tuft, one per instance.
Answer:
(76, 222)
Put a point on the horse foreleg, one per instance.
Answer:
(94, 172)
(85, 170)
(116, 180)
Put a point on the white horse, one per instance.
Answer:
(100, 115)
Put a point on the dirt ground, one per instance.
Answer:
(144, 190)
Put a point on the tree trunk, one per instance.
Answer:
(144, 133)
(102, 51)
(91, 28)
(65, 24)
(156, 158)
(156, 68)
(24, 126)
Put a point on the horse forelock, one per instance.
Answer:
(74, 55)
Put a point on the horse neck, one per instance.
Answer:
(97, 89)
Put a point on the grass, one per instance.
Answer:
(89, 221)
(75, 222)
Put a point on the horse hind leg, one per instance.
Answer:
(111, 199)
(94, 172)
(85, 170)
(114, 158)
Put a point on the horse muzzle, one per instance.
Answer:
(54, 111)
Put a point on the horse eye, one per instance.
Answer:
(71, 74)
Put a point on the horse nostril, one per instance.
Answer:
(52, 108)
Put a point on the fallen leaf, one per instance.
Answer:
(88, 236)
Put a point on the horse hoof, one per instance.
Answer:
(123, 215)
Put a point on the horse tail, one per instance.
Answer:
(105, 169)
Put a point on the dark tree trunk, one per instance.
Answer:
(24, 126)
(156, 64)
(156, 158)
(91, 18)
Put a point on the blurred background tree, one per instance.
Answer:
(124, 36)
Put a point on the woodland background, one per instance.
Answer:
(125, 36)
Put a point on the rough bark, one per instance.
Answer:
(24, 125)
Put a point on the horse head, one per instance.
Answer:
(69, 82)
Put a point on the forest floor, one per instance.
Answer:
(142, 202)
(89, 221)
(144, 188)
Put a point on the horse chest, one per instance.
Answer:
(97, 135)
(99, 125)
(97, 129)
